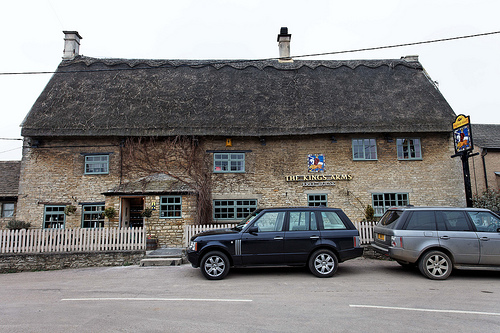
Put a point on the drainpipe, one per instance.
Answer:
(484, 152)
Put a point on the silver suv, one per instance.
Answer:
(438, 239)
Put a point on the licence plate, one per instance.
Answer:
(381, 237)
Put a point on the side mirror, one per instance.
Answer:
(498, 230)
(253, 230)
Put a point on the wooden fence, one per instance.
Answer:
(72, 240)
(365, 230)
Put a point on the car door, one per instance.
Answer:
(262, 242)
(458, 236)
(301, 237)
(487, 225)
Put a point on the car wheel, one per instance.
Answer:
(323, 263)
(435, 265)
(214, 265)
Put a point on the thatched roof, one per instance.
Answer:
(486, 135)
(9, 178)
(119, 97)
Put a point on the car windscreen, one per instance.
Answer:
(247, 220)
(390, 217)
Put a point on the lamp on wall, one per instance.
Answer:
(262, 141)
(334, 140)
(388, 138)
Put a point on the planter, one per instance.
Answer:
(151, 244)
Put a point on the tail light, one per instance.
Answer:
(397, 241)
(356, 241)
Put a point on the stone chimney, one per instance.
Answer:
(284, 45)
(71, 45)
(410, 58)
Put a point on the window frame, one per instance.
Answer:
(89, 163)
(400, 145)
(13, 210)
(231, 157)
(315, 202)
(60, 211)
(172, 210)
(387, 202)
(232, 209)
(364, 146)
(100, 218)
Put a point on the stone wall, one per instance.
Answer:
(492, 162)
(53, 174)
(434, 180)
(10, 263)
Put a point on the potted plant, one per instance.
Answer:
(152, 240)
(109, 212)
(69, 210)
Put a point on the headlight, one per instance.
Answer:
(193, 246)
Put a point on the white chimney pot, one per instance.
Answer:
(71, 44)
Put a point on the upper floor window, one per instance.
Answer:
(171, 206)
(409, 149)
(54, 217)
(317, 199)
(92, 216)
(382, 201)
(8, 209)
(229, 162)
(364, 149)
(96, 164)
(233, 209)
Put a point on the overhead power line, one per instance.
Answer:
(218, 62)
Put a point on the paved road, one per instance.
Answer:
(365, 296)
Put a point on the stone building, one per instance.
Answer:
(9, 184)
(485, 167)
(274, 133)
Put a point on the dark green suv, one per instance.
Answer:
(318, 237)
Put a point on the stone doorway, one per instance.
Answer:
(131, 209)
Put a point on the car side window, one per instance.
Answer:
(331, 221)
(270, 221)
(455, 221)
(484, 221)
(422, 221)
(302, 220)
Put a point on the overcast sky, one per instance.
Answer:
(467, 70)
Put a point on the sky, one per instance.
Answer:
(467, 70)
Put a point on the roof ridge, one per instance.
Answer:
(241, 63)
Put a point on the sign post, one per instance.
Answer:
(462, 137)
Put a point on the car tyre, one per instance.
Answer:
(323, 263)
(435, 265)
(214, 265)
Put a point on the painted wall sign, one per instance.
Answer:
(316, 163)
(462, 135)
(318, 178)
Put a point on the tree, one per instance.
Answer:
(179, 157)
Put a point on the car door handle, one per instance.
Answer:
(484, 238)
(314, 237)
(278, 238)
(445, 237)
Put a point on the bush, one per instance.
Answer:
(369, 213)
(18, 225)
(489, 199)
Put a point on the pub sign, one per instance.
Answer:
(462, 136)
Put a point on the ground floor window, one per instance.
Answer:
(92, 216)
(233, 209)
(7, 209)
(317, 200)
(54, 217)
(382, 201)
(171, 206)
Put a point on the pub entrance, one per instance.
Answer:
(131, 209)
